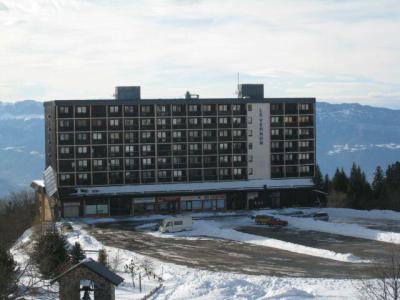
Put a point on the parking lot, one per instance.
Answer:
(231, 256)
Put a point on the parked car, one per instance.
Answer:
(320, 216)
(175, 224)
(269, 220)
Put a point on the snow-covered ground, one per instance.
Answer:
(341, 223)
(182, 282)
(208, 228)
(187, 283)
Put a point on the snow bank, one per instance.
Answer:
(214, 229)
(353, 230)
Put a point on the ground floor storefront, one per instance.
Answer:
(123, 205)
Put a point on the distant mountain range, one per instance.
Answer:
(370, 136)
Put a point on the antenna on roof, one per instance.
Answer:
(238, 82)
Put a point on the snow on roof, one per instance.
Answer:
(198, 186)
(38, 182)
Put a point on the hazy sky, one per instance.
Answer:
(337, 51)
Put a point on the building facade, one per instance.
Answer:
(129, 155)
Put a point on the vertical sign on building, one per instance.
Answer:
(261, 128)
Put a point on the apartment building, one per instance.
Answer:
(130, 155)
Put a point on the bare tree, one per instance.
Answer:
(384, 281)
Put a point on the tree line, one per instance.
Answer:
(354, 190)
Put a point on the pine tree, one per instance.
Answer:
(318, 179)
(76, 253)
(340, 181)
(378, 183)
(8, 274)
(359, 190)
(327, 184)
(102, 258)
(50, 253)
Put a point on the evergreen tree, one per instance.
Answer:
(340, 181)
(318, 179)
(50, 253)
(327, 184)
(359, 190)
(76, 253)
(378, 183)
(8, 274)
(102, 258)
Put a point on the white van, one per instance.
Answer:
(174, 224)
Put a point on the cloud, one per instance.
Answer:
(336, 50)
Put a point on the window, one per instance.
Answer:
(193, 108)
(193, 147)
(275, 132)
(237, 158)
(82, 176)
(289, 119)
(161, 108)
(250, 132)
(223, 120)
(146, 122)
(146, 148)
(147, 174)
(129, 149)
(304, 106)
(97, 136)
(305, 169)
(114, 122)
(114, 162)
(275, 145)
(193, 133)
(64, 137)
(223, 146)
(274, 120)
(129, 109)
(161, 134)
(177, 173)
(161, 121)
(236, 120)
(177, 134)
(250, 158)
(82, 163)
(249, 107)
(304, 156)
(65, 177)
(177, 147)
(288, 156)
(64, 150)
(288, 131)
(224, 159)
(146, 161)
(223, 133)
(81, 109)
(237, 133)
(114, 135)
(114, 149)
(64, 123)
(145, 109)
(129, 162)
(193, 121)
(114, 109)
(208, 147)
(82, 150)
(207, 121)
(223, 108)
(236, 107)
(146, 134)
(237, 171)
(250, 146)
(304, 131)
(97, 163)
(177, 121)
(162, 174)
(288, 144)
(207, 108)
(207, 133)
(304, 144)
(162, 160)
(176, 108)
(129, 122)
(82, 123)
(224, 172)
(64, 109)
(249, 120)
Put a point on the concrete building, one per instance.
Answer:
(131, 156)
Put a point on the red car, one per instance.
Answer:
(268, 220)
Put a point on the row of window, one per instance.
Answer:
(292, 144)
(151, 176)
(118, 149)
(291, 120)
(149, 109)
(292, 108)
(292, 171)
(146, 135)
